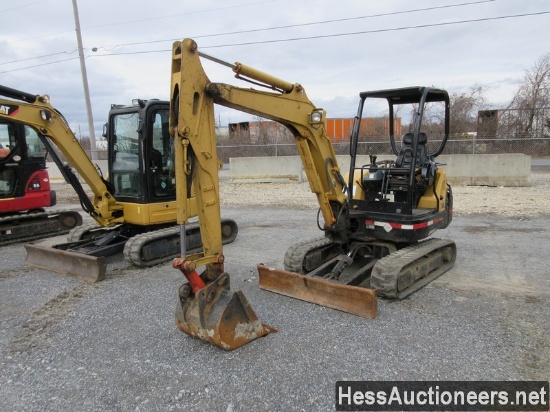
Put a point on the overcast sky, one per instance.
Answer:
(335, 49)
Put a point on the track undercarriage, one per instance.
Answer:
(36, 224)
(385, 269)
(84, 256)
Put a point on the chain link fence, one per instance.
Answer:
(536, 148)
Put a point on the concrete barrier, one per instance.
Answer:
(269, 168)
(57, 177)
(512, 169)
(462, 170)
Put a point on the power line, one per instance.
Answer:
(39, 57)
(23, 6)
(310, 37)
(306, 24)
(256, 30)
(109, 48)
(181, 14)
(38, 65)
(322, 36)
(147, 19)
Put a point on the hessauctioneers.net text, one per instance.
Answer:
(442, 396)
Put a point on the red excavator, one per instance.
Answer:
(26, 195)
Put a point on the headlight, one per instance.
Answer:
(45, 115)
(316, 116)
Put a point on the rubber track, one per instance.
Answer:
(76, 234)
(132, 249)
(32, 216)
(388, 269)
(294, 256)
(26, 216)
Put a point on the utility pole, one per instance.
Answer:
(85, 82)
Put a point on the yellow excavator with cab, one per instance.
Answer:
(134, 207)
(376, 218)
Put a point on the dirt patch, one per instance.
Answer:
(36, 330)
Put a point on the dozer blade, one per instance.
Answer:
(78, 265)
(352, 299)
(216, 315)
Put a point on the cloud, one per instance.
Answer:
(332, 66)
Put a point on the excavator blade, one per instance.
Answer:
(352, 299)
(78, 265)
(218, 316)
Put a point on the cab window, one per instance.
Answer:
(125, 167)
(7, 139)
(35, 148)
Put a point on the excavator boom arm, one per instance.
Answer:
(44, 118)
(193, 94)
(294, 110)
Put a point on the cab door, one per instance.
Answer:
(159, 155)
(125, 157)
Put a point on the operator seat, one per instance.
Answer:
(424, 169)
(404, 158)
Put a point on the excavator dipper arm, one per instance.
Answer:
(206, 308)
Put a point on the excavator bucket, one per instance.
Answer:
(352, 299)
(216, 315)
(78, 265)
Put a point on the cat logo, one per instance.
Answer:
(8, 109)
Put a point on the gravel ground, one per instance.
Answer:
(66, 345)
(501, 201)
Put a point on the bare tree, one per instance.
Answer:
(533, 94)
(464, 109)
(463, 114)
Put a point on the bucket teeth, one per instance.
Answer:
(216, 315)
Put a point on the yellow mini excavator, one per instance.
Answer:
(376, 221)
(134, 207)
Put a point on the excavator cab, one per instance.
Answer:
(410, 189)
(141, 169)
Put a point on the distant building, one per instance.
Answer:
(338, 130)
(514, 123)
(372, 128)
